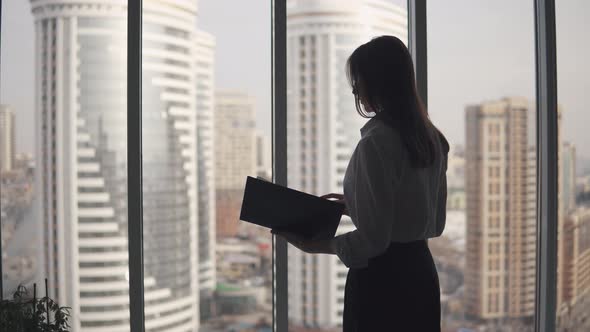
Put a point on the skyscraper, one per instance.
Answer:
(568, 175)
(204, 67)
(573, 270)
(323, 129)
(81, 154)
(263, 156)
(574, 282)
(235, 158)
(501, 217)
(7, 138)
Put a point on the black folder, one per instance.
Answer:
(281, 208)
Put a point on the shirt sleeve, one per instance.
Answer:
(371, 206)
(441, 213)
(441, 208)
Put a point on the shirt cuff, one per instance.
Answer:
(342, 248)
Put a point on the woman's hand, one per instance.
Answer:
(338, 198)
(308, 246)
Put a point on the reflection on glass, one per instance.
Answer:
(323, 130)
(573, 256)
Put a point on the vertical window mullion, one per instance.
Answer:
(417, 45)
(279, 156)
(1, 254)
(134, 167)
(546, 86)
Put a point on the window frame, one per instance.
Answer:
(280, 298)
(134, 167)
(547, 165)
(1, 254)
(547, 143)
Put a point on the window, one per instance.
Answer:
(490, 120)
(233, 80)
(492, 129)
(573, 270)
(494, 206)
(320, 38)
(491, 188)
(63, 157)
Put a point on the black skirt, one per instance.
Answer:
(397, 291)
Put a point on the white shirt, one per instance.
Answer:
(387, 199)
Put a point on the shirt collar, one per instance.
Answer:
(372, 123)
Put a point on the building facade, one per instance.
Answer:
(82, 161)
(323, 129)
(205, 99)
(574, 284)
(235, 158)
(500, 187)
(568, 174)
(263, 156)
(7, 138)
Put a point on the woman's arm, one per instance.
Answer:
(338, 198)
(374, 195)
(309, 246)
(377, 172)
(441, 209)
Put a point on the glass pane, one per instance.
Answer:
(206, 126)
(481, 85)
(323, 130)
(573, 259)
(64, 175)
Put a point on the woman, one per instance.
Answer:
(395, 193)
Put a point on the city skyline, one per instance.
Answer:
(480, 83)
(80, 165)
(189, 156)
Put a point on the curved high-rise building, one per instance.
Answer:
(323, 128)
(81, 150)
(205, 90)
(170, 191)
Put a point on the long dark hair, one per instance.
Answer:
(381, 72)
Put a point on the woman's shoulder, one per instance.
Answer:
(443, 140)
(377, 127)
(384, 139)
(383, 145)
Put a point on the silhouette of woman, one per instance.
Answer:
(395, 194)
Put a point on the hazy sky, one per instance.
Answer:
(478, 50)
